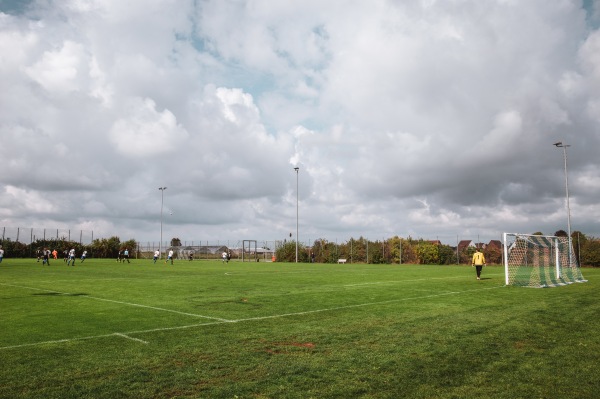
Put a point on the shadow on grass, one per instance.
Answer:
(58, 294)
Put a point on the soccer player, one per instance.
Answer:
(1, 253)
(55, 254)
(156, 255)
(46, 256)
(126, 256)
(478, 261)
(83, 255)
(71, 257)
(224, 256)
(170, 257)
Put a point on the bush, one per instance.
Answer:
(287, 252)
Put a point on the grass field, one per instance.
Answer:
(203, 329)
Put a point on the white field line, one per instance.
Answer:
(92, 279)
(131, 338)
(267, 272)
(121, 303)
(413, 280)
(161, 309)
(250, 319)
(30, 288)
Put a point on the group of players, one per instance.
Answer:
(68, 256)
(157, 256)
(123, 255)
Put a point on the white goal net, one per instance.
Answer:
(539, 261)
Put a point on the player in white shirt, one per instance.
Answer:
(71, 257)
(156, 255)
(170, 257)
(1, 253)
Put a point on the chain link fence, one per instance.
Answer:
(29, 235)
(243, 250)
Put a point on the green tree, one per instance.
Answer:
(15, 249)
(105, 247)
(376, 252)
(428, 253)
(325, 251)
(493, 255)
(287, 252)
(578, 240)
(466, 255)
(447, 255)
(395, 249)
(359, 250)
(317, 249)
(409, 251)
(590, 252)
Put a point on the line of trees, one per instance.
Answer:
(398, 250)
(394, 250)
(99, 248)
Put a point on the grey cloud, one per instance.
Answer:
(431, 118)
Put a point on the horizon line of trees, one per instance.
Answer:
(99, 248)
(397, 250)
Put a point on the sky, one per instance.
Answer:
(422, 118)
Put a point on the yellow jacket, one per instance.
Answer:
(478, 259)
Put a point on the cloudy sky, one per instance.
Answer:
(426, 118)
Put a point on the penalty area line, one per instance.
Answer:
(359, 305)
(410, 281)
(161, 309)
(120, 302)
(219, 322)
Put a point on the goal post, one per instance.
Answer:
(539, 261)
(249, 247)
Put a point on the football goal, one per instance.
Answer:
(539, 261)
(249, 250)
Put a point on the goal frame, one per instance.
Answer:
(249, 242)
(558, 250)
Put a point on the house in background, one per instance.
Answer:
(464, 244)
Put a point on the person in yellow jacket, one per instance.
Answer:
(478, 261)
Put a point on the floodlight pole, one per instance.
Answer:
(564, 147)
(162, 197)
(296, 169)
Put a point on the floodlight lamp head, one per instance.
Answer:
(559, 144)
(296, 168)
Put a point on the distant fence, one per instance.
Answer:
(28, 235)
(390, 250)
(247, 250)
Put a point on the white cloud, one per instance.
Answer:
(60, 70)
(32, 202)
(145, 131)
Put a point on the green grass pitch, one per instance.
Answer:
(204, 329)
